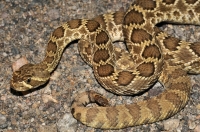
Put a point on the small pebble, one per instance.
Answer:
(67, 123)
(26, 26)
(191, 124)
(3, 121)
(171, 124)
(197, 128)
(44, 128)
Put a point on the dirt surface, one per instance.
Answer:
(25, 27)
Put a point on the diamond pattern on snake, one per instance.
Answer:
(152, 55)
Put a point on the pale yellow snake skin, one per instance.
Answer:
(152, 55)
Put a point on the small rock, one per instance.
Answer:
(5, 54)
(13, 121)
(46, 98)
(191, 124)
(198, 106)
(67, 123)
(197, 128)
(171, 124)
(198, 117)
(3, 121)
(51, 128)
(53, 14)
(55, 75)
(35, 105)
(19, 63)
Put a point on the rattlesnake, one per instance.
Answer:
(152, 55)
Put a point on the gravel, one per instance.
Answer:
(25, 26)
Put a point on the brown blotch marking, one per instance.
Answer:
(100, 100)
(91, 114)
(196, 48)
(100, 19)
(150, 15)
(125, 78)
(171, 43)
(174, 99)
(105, 70)
(140, 35)
(176, 13)
(151, 51)
(69, 32)
(184, 55)
(118, 17)
(49, 60)
(59, 32)
(153, 105)
(181, 87)
(164, 8)
(146, 69)
(60, 43)
(101, 54)
(92, 25)
(74, 23)
(133, 17)
(136, 49)
(167, 56)
(102, 38)
(52, 47)
(112, 115)
(146, 4)
(177, 73)
(169, 2)
(134, 110)
(190, 1)
(181, 6)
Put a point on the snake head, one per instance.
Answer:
(28, 77)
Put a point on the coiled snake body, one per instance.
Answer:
(152, 55)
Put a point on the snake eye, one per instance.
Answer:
(28, 80)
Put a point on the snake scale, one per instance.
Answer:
(151, 56)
